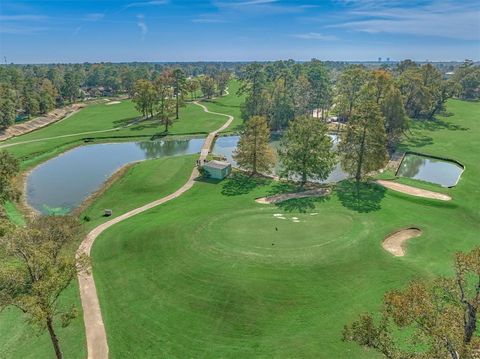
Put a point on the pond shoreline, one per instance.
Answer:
(432, 170)
(94, 161)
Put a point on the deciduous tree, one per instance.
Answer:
(222, 79)
(349, 89)
(41, 268)
(192, 86)
(306, 150)
(7, 106)
(9, 168)
(321, 86)
(438, 318)
(145, 97)
(396, 121)
(253, 152)
(363, 143)
(207, 84)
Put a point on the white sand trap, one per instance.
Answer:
(286, 196)
(413, 191)
(295, 221)
(113, 103)
(313, 214)
(278, 215)
(395, 242)
(294, 218)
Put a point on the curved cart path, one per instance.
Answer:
(413, 191)
(96, 336)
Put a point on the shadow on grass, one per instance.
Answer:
(438, 124)
(240, 183)
(283, 187)
(207, 180)
(301, 205)
(418, 141)
(364, 198)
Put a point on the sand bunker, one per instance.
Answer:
(413, 191)
(39, 122)
(113, 103)
(286, 196)
(395, 242)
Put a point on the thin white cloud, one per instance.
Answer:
(142, 25)
(253, 2)
(315, 36)
(259, 7)
(147, 3)
(437, 18)
(21, 30)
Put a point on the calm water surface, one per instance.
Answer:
(62, 183)
(226, 145)
(434, 170)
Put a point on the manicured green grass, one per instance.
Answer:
(229, 104)
(19, 339)
(142, 183)
(14, 214)
(213, 274)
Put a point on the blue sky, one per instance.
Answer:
(45, 31)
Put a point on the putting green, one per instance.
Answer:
(272, 235)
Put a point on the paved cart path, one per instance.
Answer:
(97, 345)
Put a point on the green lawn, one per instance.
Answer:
(212, 274)
(142, 183)
(18, 339)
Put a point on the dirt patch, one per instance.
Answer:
(39, 122)
(395, 242)
(413, 191)
(319, 192)
(113, 103)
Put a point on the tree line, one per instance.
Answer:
(278, 90)
(31, 90)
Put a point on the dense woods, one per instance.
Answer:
(278, 90)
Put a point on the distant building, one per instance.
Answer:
(217, 169)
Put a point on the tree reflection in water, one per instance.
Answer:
(411, 165)
(156, 149)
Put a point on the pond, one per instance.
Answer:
(62, 183)
(226, 145)
(443, 172)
